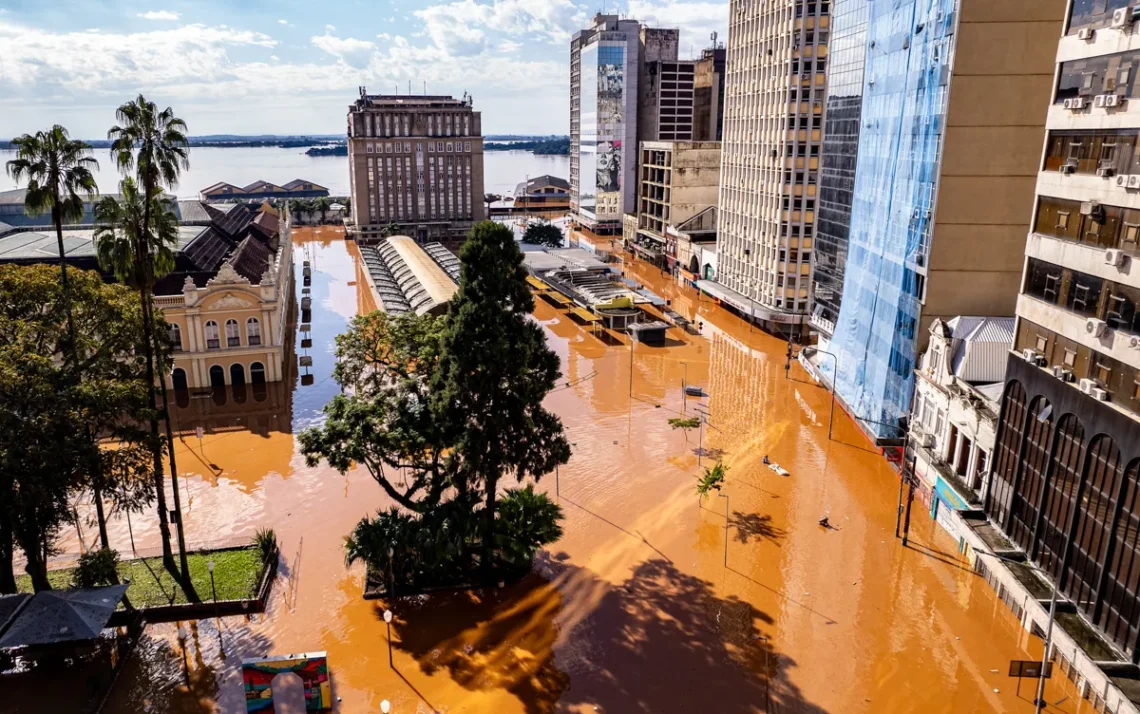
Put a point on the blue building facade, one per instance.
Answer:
(909, 49)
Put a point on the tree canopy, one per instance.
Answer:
(543, 233)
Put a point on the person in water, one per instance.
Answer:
(825, 522)
(766, 461)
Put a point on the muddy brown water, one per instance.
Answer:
(634, 610)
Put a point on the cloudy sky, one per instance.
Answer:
(259, 67)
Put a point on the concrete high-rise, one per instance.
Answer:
(773, 124)
(948, 152)
(416, 161)
(1065, 486)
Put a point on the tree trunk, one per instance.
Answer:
(7, 577)
(57, 218)
(100, 515)
(36, 568)
(489, 527)
(187, 582)
(156, 442)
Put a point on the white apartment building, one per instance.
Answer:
(773, 123)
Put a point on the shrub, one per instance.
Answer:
(528, 520)
(96, 568)
(266, 541)
(711, 480)
(686, 424)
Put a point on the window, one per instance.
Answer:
(1070, 358)
(1102, 372)
(175, 333)
(1062, 220)
(233, 336)
(253, 331)
(1042, 343)
(212, 341)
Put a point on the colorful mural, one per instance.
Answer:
(311, 667)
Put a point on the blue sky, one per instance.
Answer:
(259, 67)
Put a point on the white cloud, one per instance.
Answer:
(80, 77)
(330, 28)
(159, 15)
(696, 20)
(508, 46)
(384, 36)
(455, 27)
(282, 22)
(354, 53)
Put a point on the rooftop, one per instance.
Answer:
(408, 277)
(979, 346)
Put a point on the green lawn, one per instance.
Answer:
(235, 577)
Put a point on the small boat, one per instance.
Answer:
(694, 391)
(778, 469)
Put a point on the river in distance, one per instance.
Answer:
(502, 170)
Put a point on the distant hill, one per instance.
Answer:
(234, 141)
(555, 146)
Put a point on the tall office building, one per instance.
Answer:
(843, 107)
(708, 94)
(626, 86)
(773, 125)
(416, 161)
(1065, 487)
(948, 152)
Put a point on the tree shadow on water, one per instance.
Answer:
(662, 641)
(751, 526)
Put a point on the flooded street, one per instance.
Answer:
(640, 607)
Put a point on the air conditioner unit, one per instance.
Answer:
(1133, 180)
(1095, 327)
(1122, 180)
(1058, 371)
(1029, 356)
(1111, 100)
(1087, 207)
(1068, 168)
(1134, 342)
(926, 440)
(1106, 172)
(1121, 18)
(1066, 375)
(1099, 394)
(1114, 257)
(1087, 385)
(1078, 103)
(1086, 34)
(1098, 101)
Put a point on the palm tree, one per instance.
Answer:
(137, 257)
(57, 169)
(153, 144)
(322, 204)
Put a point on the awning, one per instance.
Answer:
(54, 617)
(558, 298)
(584, 315)
(536, 283)
(748, 306)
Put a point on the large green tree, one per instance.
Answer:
(57, 169)
(44, 460)
(441, 409)
(494, 371)
(151, 143)
(543, 233)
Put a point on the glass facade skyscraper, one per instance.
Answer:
(909, 44)
(848, 47)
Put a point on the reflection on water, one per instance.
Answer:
(642, 606)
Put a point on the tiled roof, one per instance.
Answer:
(219, 188)
(193, 212)
(251, 259)
(77, 243)
(542, 182)
(235, 224)
(296, 184)
(208, 250)
(268, 224)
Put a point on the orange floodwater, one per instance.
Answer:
(635, 609)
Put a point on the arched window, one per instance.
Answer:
(217, 377)
(1027, 497)
(257, 373)
(1007, 453)
(233, 334)
(178, 379)
(1060, 491)
(1118, 610)
(1103, 476)
(175, 333)
(253, 332)
(237, 375)
(212, 340)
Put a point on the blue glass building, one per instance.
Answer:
(909, 44)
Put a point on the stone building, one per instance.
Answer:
(417, 162)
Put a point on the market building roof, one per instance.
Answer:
(552, 185)
(409, 277)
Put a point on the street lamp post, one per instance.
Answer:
(213, 589)
(831, 416)
(388, 622)
(1039, 702)
(721, 495)
(391, 573)
(185, 664)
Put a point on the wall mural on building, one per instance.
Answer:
(312, 668)
(611, 90)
